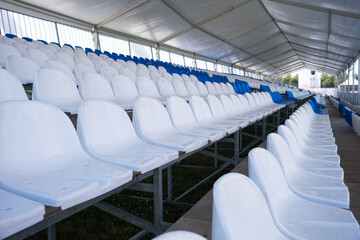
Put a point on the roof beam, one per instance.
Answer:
(235, 36)
(202, 22)
(283, 59)
(207, 32)
(321, 65)
(262, 52)
(315, 29)
(121, 12)
(277, 25)
(322, 50)
(320, 9)
(322, 59)
(264, 40)
(315, 55)
(322, 42)
(319, 68)
(285, 64)
(287, 71)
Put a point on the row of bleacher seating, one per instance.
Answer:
(351, 117)
(295, 189)
(56, 170)
(55, 52)
(60, 168)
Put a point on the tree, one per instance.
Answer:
(286, 80)
(295, 80)
(327, 81)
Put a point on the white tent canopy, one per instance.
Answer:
(271, 37)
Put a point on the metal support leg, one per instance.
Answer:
(51, 232)
(278, 118)
(236, 146)
(216, 153)
(240, 140)
(158, 198)
(264, 128)
(169, 181)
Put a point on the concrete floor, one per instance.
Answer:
(198, 218)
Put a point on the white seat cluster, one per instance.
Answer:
(295, 191)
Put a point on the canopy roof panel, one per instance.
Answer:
(266, 36)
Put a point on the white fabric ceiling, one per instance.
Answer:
(271, 37)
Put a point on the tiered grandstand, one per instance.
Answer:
(164, 120)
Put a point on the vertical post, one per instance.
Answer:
(353, 84)
(264, 128)
(169, 181)
(158, 198)
(129, 47)
(57, 33)
(216, 153)
(236, 146)
(51, 232)
(358, 70)
(348, 81)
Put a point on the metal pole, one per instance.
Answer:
(348, 81)
(169, 180)
(51, 231)
(358, 99)
(158, 198)
(353, 84)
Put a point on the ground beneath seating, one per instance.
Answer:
(198, 218)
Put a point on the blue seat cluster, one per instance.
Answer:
(265, 88)
(316, 109)
(276, 97)
(241, 87)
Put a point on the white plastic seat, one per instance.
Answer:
(98, 63)
(80, 69)
(254, 103)
(48, 51)
(165, 88)
(202, 89)
(218, 88)
(56, 88)
(180, 88)
(231, 89)
(184, 120)
(328, 167)
(108, 72)
(56, 65)
(24, 69)
(194, 78)
(65, 59)
(204, 117)
(185, 77)
(177, 235)
(155, 75)
(125, 91)
(295, 217)
(219, 113)
(147, 88)
(11, 88)
(93, 86)
(177, 76)
(83, 59)
(240, 211)
(131, 65)
(153, 125)
(249, 108)
(55, 170)
(5, 52)
(231, 111)
(311, 146)
(225, 89)
(18, 213)
(211, 88)
(309, 185)
(21, 48)
(142, 73)
(107, 134)
(191, 87)
(167, 75)
(242, 108)
(37, 56)
(128, 73)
